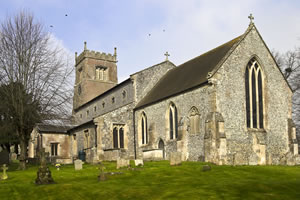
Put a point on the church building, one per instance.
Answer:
(230, 105)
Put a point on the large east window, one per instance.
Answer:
(254, 95)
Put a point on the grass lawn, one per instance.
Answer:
(157, 180)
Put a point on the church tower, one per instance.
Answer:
(96, 73)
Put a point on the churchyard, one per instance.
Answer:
(154, 180)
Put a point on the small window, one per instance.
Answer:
(87, 113)
(54, 147)
(124, 94)
(95, 108)
(103, 104)
(113, 100)
(80, 115)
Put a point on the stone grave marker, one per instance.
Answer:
(139, 162)
(4, 157)
(175, 158)
(206, 168)
(78, 164)
(102, 175)
(4, 175)
(122, 163)
(13, 156)
(44, 173)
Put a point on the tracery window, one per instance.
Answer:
(173, 121)
(254, 95)
(118, 136)
(144, 132)
(101, 73)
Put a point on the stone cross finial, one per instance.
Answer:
(4, 175)
(251, 18)
(84, 45)
(167, 55)
(115, 51)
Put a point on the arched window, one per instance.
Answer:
(101, 73)
(173, 121)
(118, 136)
(121, 133)
(254, 95)
(115, 137)
(144, 129)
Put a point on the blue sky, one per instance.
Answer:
(184, 28)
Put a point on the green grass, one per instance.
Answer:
(157, 180)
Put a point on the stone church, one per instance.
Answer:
(230, 105)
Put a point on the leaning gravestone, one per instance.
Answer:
(44, 173)
(139, 162)
(13, 156)
(122, 163)
(175, 158)
(78, 164)
(206, 168)
(4, 175)
(4, 157)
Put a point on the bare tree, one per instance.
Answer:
(36, 76)
(289, 63)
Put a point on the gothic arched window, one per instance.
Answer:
(101, 73)
(144, 129)
(254, 95)
(173, 121)
(118, 136)
(115, 138)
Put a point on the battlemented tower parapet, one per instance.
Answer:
(96, 72)
(96, 55)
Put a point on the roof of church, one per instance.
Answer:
(48, 128)
(187, 75)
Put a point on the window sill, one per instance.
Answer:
(260, 130)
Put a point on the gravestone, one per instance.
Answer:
(44, 173)
(139, 162)
(102, 175)
(4, 175)
(4, 157)
(78, 164)
(13, 156)
(206, 168)
(122, 163)
(175, 158)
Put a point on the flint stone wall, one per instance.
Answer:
(157, 119)
(230, 101)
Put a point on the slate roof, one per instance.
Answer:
(47, 128)
(187, 75)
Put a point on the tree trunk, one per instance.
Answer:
(23, 153)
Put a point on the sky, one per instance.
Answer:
(143, 30)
